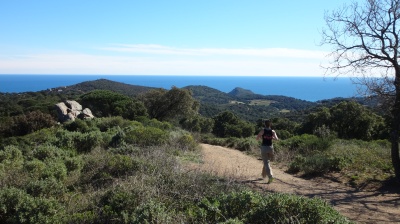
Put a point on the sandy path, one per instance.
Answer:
(359, 206)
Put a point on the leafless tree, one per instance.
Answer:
(364, 36)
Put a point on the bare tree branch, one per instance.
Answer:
(365, 40)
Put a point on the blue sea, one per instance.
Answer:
(304, 88)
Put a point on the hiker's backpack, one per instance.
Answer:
(267, 137)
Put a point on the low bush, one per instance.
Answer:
(316, 164)
(48, 187)
(11, 156)
(81, 142)
(252, 207)
(117, 203)
(26, 123)
(213, 140)
(153, 212)
(363, 161)
(178, 137)
(146, 136)
(306, 143)
(16, 206)
(107, 123)
(77, 125)
(163, 125)
(86, 142)
(36, 169)
(47, 151)
(186, 142)
(358, 161)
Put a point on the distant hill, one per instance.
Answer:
(245, 103)
(240, 92)
(105, 84)
(242, 102)
(210, 95)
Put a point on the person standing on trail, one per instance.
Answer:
(267, 149)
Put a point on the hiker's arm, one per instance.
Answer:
(274, 136)
(260, 134)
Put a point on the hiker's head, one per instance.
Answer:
(268, 123)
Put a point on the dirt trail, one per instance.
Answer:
(359, 206)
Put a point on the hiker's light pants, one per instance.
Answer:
(267, 155)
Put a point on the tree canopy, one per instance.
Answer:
(227, 124)
(164, 104)
(104, 103)
(349, 120)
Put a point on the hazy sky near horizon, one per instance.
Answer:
(174, 37)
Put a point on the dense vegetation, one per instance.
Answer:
(127, 165)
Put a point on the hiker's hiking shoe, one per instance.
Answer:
(270, 180)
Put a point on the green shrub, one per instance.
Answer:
(366, 160)
(93, 168)
(187, 142)
(81, 142)
(117, 203)
(163, 125)
(47, 151)
(27, 123)
(86, 142)
(77, 125)
(35, 168)
(38, 169)
(306, 143)
(11, 156)
(125, 149)
(66, 139)
(146, 136)
(252, 207)
(232, 142)
(83, 217)
(152, 212)
(118, 138)
(107, 123)
(119, 165)
(42, 136)
(73, 163)
(283, 134)
(315, 164)
(101, 167)
(49, 187)
(285, 208)
(55, 169)
(11, 167)
(16, 206)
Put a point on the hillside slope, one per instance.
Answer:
(105, 84)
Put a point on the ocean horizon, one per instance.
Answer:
(305, 88)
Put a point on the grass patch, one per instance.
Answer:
(235, 102)
(363, 161)
(261, 102)
(284, 111)
(358, 162)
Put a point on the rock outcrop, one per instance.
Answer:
(70, 110)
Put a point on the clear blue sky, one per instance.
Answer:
(169, 37)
